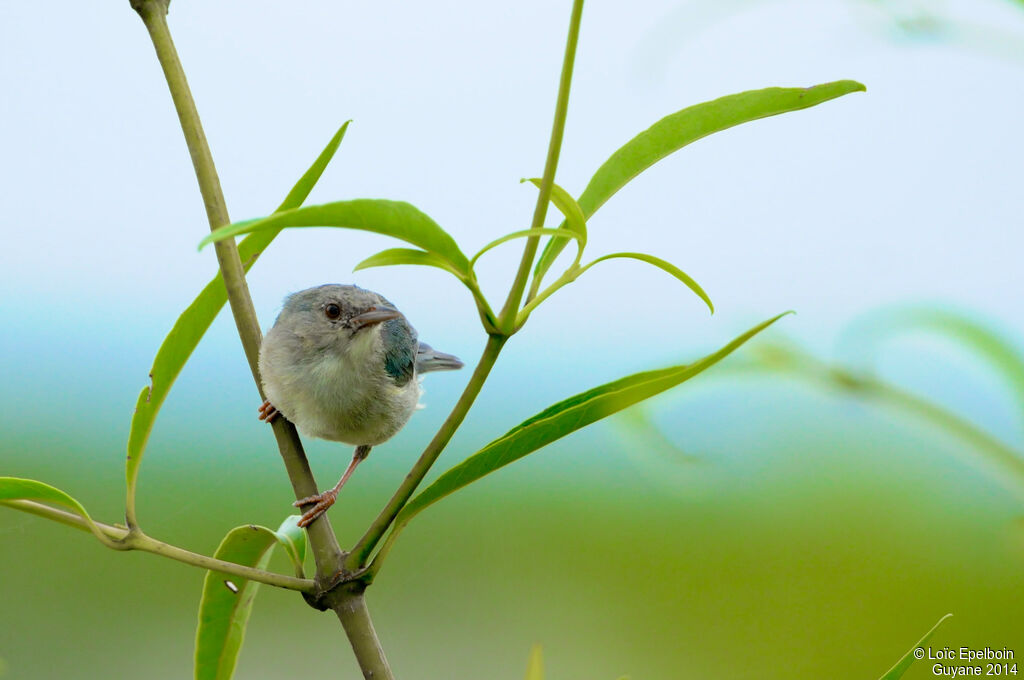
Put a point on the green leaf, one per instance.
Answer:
(684, 127)
(15, 488)
(227, 600)
(1001, 354)
(566, 205)
(661, 264)
(393, 256)
(193, 323)
(293, 539)
(535, 666)
(300, 192)
(903, 664)
(564, 418)
(554, 233)
(392, 218)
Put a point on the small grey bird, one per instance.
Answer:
(341, 363)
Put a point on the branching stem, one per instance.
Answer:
(136, 540)
(507, 318)
(324, 544)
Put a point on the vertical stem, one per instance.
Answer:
(327, 553)
(507, 317)
(154, 15)
(355, 618)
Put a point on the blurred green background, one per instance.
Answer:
(773, 529)
(798, 533)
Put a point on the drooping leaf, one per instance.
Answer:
(393, 256)
(562, 234)
(193, 323)
(227, 600)
(535, 666)
(903, 664)
(661, 264)
(1000, 353)
(565, 418)
(567, 205)
(790, 358)
(16, 488)
(380, 216)
(684, 127)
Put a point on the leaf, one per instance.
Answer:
(661, 264)
(535, 666)
(684, 127)
(554, 233)
(227, 600)
(300, 192)
(380, 216)
(903, 664)
(566, 205)
(564, 418)
(293, 539)
(193, 323)
(15, 488)
(393, 256)
(983, 341)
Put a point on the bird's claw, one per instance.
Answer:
(322, 502)
(268, 412)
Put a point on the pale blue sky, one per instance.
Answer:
(909, 192)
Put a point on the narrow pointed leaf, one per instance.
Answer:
(227, 600)
(300, 192)
(661, 264)
(1001, 354)
(16, 488)
(535, 666)
(684, 127)
(565, 418)
(193, 323)
(567, 205)
(562, 234)
(380, 216)
(903, 664)
(394, 256)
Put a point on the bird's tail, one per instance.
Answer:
(428, 359)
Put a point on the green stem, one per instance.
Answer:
(136, 540)
(357, 558)
(324, 544)
(506, 320)
(351, 609)
(154, 14)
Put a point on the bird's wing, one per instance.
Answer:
(428, 359)
(399, 350)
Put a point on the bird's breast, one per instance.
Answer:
(344, 396)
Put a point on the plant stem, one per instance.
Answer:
(136, 540)
(361, 552)
(355, 618)
(506, 320)
(324, 544)
(153, 13)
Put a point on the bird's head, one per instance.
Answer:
(335, 316)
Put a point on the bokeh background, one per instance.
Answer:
(766, 528)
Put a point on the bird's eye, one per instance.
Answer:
(332, 311)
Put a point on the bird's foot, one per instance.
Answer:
(268, 412)
(322, 500)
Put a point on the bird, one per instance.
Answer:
(343, 364)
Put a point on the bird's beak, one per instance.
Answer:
(374, 316)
